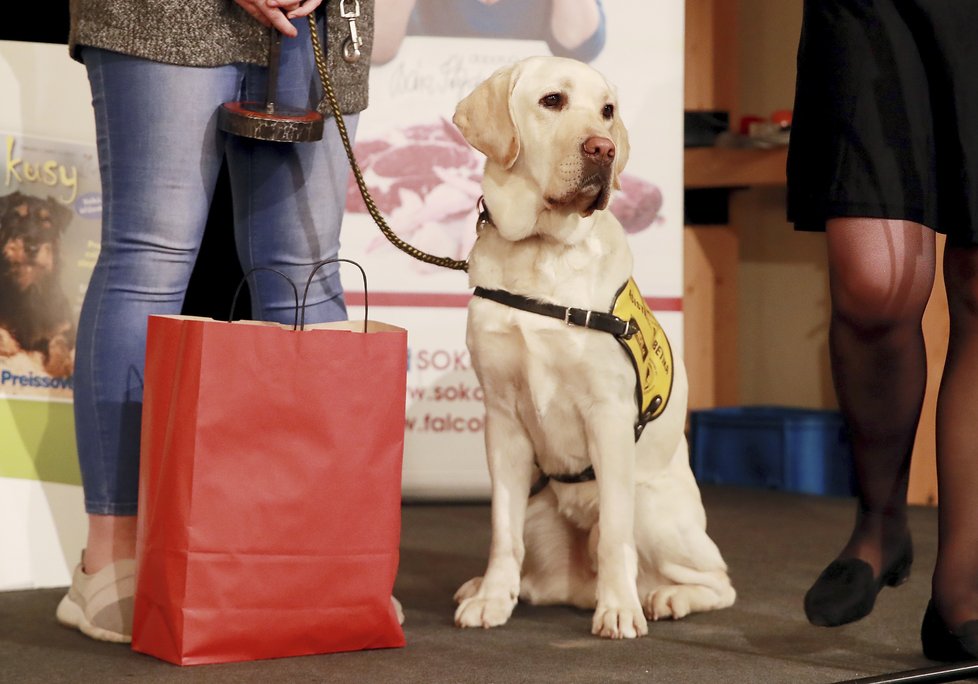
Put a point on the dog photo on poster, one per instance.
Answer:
(425, 179)
(50, 211)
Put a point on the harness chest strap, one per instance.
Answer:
(595, 320)
(640, 335)
(633, 325)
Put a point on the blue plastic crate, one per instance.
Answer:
(791, 449)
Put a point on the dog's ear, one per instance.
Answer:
(58, 214)
(620, 136)
(486, 121)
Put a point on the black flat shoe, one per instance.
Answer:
(940, 643)
(846, 590)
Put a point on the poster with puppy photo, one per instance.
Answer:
(49, 227)
(50, 212)
(426, 181)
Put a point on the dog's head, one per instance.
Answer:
(30, 238)
(553, 123)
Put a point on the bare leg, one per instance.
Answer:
(110, 538)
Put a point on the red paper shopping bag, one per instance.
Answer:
(269, 493)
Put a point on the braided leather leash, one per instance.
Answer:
(446, 262)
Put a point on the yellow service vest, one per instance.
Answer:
(649, 352)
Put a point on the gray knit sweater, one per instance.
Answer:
(212, 33)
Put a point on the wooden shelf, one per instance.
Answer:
(726, 167)
(711, 258)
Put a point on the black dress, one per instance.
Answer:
(885, 119)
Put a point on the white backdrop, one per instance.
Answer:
(425, 179)
(45, 101)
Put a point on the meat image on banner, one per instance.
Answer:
(425, 180)
(50, 211)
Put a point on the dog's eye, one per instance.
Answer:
(608, 111)
(552, 101)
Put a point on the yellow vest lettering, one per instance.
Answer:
(648, 350)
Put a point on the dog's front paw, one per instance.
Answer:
(619, 622)
(487, 611)
(468, 590)
(59, 361)
(478, 607)
(670, 601)
(8, 345)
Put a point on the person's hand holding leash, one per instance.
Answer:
(277, 13)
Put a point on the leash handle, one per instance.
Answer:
(445, 262)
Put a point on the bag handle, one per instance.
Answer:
(316, 267)
(295, 293)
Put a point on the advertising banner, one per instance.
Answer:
(50, 208)
(50, 212)
(425, 180)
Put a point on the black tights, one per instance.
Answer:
(881, 273)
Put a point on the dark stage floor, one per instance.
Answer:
(775, 544)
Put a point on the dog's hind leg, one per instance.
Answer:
(681, 570)
(558, 569)
(686, 590)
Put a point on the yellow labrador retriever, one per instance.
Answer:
(615, 522)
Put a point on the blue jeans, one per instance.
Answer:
(160, 153)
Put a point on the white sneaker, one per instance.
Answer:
(101, 605)
(398, 610)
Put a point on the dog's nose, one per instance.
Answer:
(599, 150)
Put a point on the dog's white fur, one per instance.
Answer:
(633, 543)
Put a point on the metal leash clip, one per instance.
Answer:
(352, 45)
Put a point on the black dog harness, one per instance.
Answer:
(595, 320)
(631, 322)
